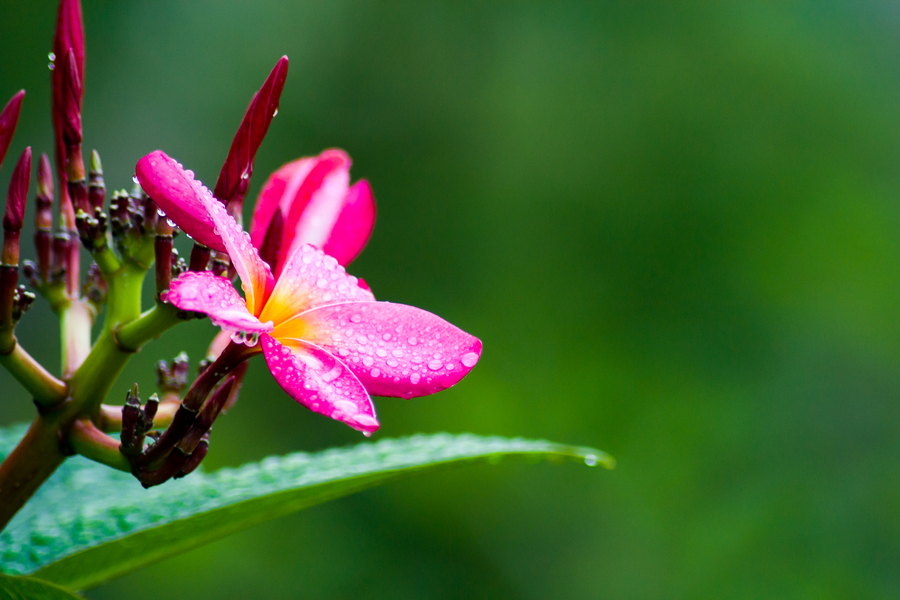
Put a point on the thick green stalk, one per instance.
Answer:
(149, 326)
(46, 389)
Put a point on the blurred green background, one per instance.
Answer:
(676, 230)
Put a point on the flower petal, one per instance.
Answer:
(309, 279)
(215, 296)
(256, 278)
(277, 192)
(354, 224)
(168, 184)
(320, 382)
(318, 202)
(394, 349)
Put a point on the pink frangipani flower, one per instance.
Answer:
(326, 340)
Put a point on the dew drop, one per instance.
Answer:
(375, 372)
(469, 359)
(355, 318)
(590, 460)
(414, 378)
(435, 365)
(412, 341)
(51, 56)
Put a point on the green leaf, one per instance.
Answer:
(89, 523)
(29, 588)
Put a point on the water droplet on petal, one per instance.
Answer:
(435, 365)
(414, 378)
(469, 359)
(590, 460)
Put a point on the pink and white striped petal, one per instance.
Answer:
(169, 185)
(394, 349)
(309, 279)
(210, 294)
(353, 225)
(277, 192)
(317, 204)
(320, 381)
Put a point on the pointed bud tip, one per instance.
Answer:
(71, 100)
(9, 118)
(96, 165)
(18, 193)
(45, 179)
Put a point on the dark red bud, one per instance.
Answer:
(45, 180)
(238, 165)
(18, 193)
(9, 118)
(15, 209)
(69, 36)
(71, 101)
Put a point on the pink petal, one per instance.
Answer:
(256, 278)
(318, 202)
(197, 212)
(215, 296)
(277, 192)
(354, 224)
(309, 279)
(168, 184)
(320, 382)
(394, 349)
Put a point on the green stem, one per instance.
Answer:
(107, 260)
(148, 326)
(124, 296)
(46, 389)
(85, 439)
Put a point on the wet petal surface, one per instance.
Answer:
(309, 279)
(394, 349)
(320, 381)
(215, 296)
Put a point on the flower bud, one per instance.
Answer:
(96, 185)
(235, 175)
(70, 106)
(9, 118)
(15, 208)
